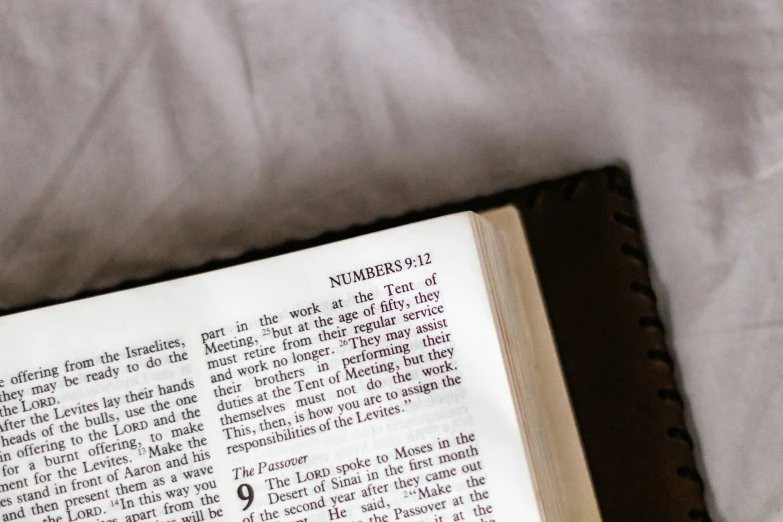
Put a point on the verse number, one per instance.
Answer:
(417, 261)
(245, 492)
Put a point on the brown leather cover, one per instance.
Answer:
(585, 239)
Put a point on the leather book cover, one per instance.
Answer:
(590, 260)
(588, 251)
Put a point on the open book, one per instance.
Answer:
(406, 375)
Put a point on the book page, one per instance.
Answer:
(358, 381)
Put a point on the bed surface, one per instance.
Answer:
(144, 136)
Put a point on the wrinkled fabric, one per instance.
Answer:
(143, 136)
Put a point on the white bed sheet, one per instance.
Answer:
(141, 136)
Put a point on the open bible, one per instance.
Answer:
(408, 374)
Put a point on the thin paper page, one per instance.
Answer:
(359, 381)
